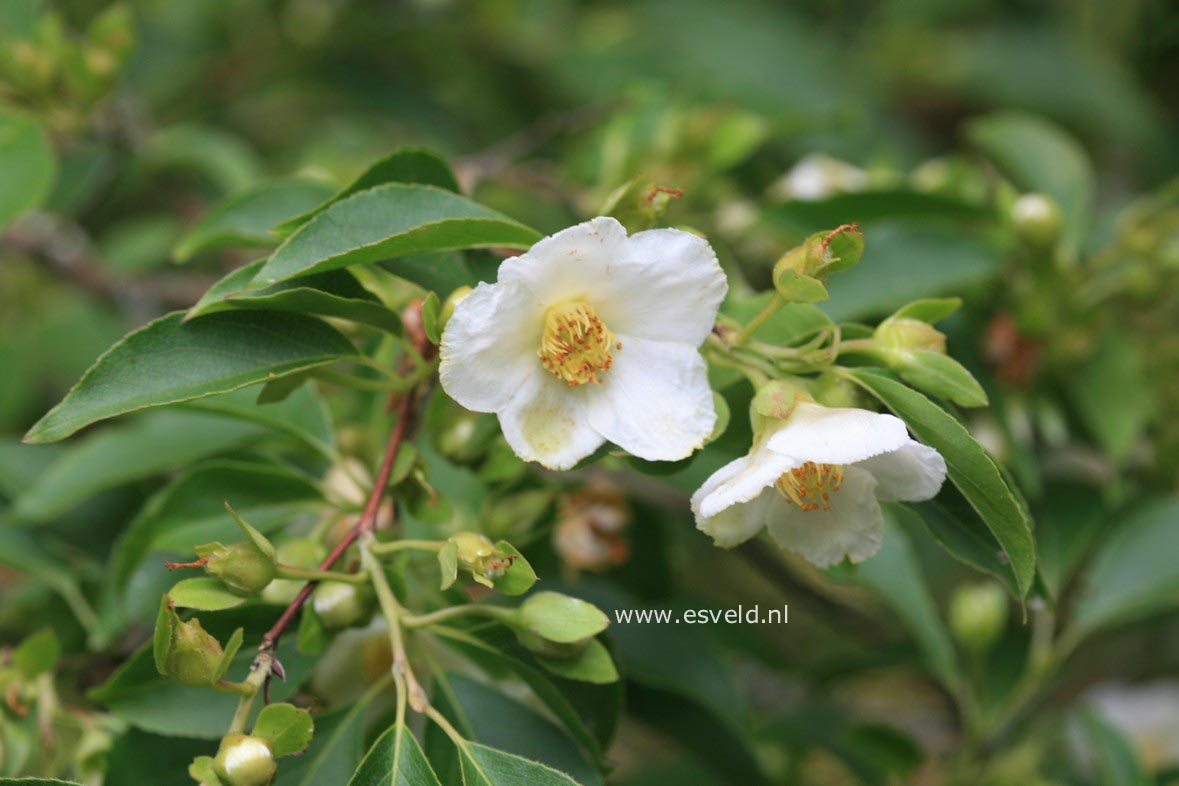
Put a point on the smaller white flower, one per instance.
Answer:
(815, 479)
(817, 177)
(591, 336)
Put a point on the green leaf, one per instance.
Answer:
(204, 593)
(494, 660)
(1134, 574)
(389, 221)
(335, 293)
(23, 551)
(940, 375)
(405, 165)
(27, 162)
(968, 466)
(484, 766)
(560, 618)
(286, 727)
(261, 541)
(1109, 754)
(201, 770)
(592, 664)
(395, 759)
(246, 218)
(448, 564)
(215, 155)
(37, 654)
(519, 577)
(930, 309)
(302, 415)
(1040, 156)
(147, 446)
(169, 361)
(1112, 394)
(894, 574)
(1069, 517)
(140, 758)
(335, 750)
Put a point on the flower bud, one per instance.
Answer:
(1037, 219)
(479, 556)
(556, 625)
(590, 528)
(340, 605)
(776, 399)
(242, 566)
(449, 305)
(243, 760)
(903, 334)
(298, 553)
(978, 614)
(800, 275)
(194, 655)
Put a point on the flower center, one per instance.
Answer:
(810, 486)
(576, 345)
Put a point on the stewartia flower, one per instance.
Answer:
(591, 336)
(814, 478)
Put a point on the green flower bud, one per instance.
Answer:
(776, 399)
(473, 547)
(298, 553)
(556, 625)
(800, 275)
(978, 615)
(449, 305)
(243, 760)
(241, 566)
(902, 335)
(484, 560)
(340, 605)
(194, 655)
(1037, 219)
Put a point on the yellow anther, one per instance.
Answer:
(576, 345)
(810, 486)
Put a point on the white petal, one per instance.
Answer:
(573, 264)
(740, 480)
(827, 435)
(738, 523)
(489, 346)
(654, 402)
(548, 422)
(666, 286)
(912, 473)
(852, 528)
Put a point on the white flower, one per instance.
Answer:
(814, 479)
(591, 336)
(817, 177)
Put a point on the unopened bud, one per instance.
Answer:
(899, 335)
(978, 615)
(341, 605)
(800, 275)
(1037, 219)
(244, 760)
(298, 553)
(556, 625)
(449, 305)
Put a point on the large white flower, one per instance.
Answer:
(814, 479)
(591, 336)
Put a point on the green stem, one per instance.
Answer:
(393, 546)
(450, 612)
(394, 614)
(307, 574)
(249, 690)
(763, 316)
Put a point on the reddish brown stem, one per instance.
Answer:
(404, 406)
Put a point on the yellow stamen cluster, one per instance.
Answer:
(576, 345)
(810, 486)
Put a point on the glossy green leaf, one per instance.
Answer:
(942, 376)
(335, 293)
(592, 664)
(168, 361)
(954, 525)
(395, 759)
(204, 593)
(389, 221)
(1040, 156)
(149, 445)
(286, 727)
(968, 466)
(27, 163)
(302, 414)
(246, 218)
(484, 766)
(405, 165)
(1134, 573)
